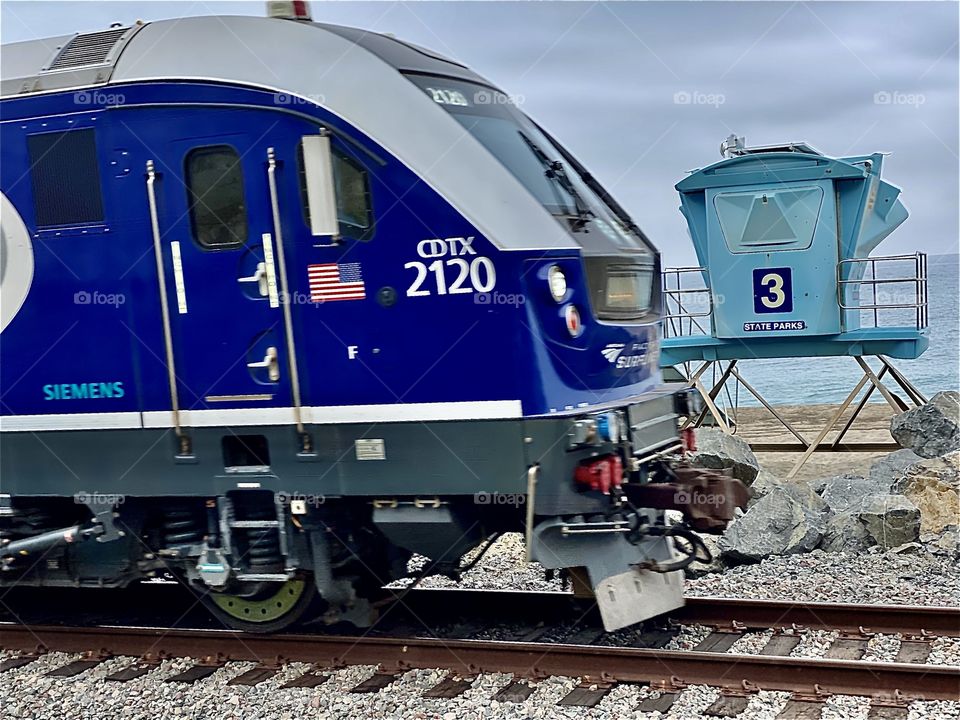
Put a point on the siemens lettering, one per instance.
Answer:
(83, 391)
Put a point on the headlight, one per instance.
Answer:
(558, 283)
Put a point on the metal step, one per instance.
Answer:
(253, 524)
(264, 577)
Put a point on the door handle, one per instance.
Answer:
(259, 277)
(270, 363)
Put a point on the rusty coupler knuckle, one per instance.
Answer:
(707, 498)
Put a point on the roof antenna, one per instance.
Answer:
(732, 146)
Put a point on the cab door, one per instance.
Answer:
(221, 258)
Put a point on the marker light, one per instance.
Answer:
(558, 283)
(290, 10)
(608, 427)
(572, 317)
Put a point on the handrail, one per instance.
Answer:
(919, 280)
(164, 309)
(284, 292)
(676, 295)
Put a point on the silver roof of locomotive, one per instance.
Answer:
(352, 73)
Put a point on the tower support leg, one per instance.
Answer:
(870, 379)
(773, 411)
(714, 392)
(896, 403)
(857, 409)
(915, 395)
(828, 427)
(708, 399)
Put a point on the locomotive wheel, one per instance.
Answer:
(268, 612)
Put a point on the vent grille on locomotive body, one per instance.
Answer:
(295, 325)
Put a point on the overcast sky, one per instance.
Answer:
(643, 92)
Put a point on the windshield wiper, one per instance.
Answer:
(555, 171)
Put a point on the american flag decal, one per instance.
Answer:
(335, 281)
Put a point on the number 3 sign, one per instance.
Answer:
(772, 290)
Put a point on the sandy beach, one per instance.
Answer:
(757, 425)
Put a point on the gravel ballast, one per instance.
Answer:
(877, 577)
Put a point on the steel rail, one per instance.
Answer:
(673, 668)
(437, 606)
(718, 611)
(845, 617)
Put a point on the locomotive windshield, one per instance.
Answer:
(510, 136)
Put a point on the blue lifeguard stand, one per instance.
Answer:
(783, 235)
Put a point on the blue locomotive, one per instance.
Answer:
(284, 303)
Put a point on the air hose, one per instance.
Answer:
(697, 551)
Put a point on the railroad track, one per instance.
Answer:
(891, 685)
(166, 603)
(714, 611)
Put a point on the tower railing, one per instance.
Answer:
(691, 304)
(884, 294)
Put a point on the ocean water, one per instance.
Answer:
(793, 381)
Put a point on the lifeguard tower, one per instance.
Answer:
(783, 235)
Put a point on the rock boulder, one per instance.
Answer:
(930, 430)
(886, 470)
(717, 450)
(845, 533)
(804, 494)
(946, 544)
(843, 493)
(890, 520)
(778, 524)
(934, 487)
(801, 491)
(764, 483)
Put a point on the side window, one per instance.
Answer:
(759, 221)
(215, 185)
(354, 212)
(65, 177)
